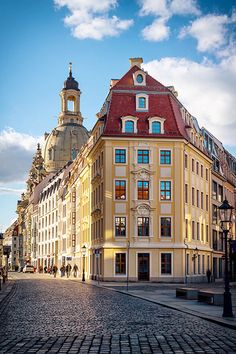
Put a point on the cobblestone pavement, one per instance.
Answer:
(53, 316)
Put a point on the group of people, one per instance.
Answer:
(65, 270)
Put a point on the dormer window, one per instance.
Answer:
(156, 128)
(141, 102)
(129, 124)
(156, 125)
(139, 78)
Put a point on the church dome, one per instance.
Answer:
(63, 144)
(66, 140)
(71, 83)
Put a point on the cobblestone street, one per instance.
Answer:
(48, 315)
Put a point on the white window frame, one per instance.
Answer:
(135, 74)
(172, 262)
(114, 226)
(171, 191)
(171, 156)
(156, 119)
(140, 109)
(114, 190)
(132, 119)
(120, 275)
(114, 155)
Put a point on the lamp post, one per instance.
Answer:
(225, 211)
(83, 255)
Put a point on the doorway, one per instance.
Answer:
(143, 266)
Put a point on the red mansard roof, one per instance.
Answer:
(162, 104)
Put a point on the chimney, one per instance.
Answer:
(113, 82)
(136, 61)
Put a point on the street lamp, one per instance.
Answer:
(83, 249)
(225, 211)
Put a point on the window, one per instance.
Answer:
(193, 230)
(186, 161)
(214, 190)
(202, 232)
(193, 193)
(220, 193)
(165, 157)
(143, 226)
(203, 264)
(165, 227)
(186, 193)
(198, 231)
(141, 102)
(120, 226)
(120, 156)
(199, 264)
(139, 78)
(187, 261)
(206, 174)
(197, 167)
(129, 126)
(156, 128)
(120, 266)
(120, 190)
(202, 200)
(207, 233)
(165, 190)
(165, 263)
(207, 203)
(202, 171)
(143, 190)
(214, 214)
(193, 165)
(214, 239)
(143, 156)
(197, 198)
(186, 228)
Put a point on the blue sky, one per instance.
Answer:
(185, 43)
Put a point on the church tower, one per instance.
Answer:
(65, 141)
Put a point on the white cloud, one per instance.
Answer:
(184, 7)
(154, 7)
(164, 10)
(90, 19)
(16, 153)
(206, 90)
(11, 190)
(210, 31)
(157, 31)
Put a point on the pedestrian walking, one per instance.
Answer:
(208, 274)
(62, 270)
(75, 270)
(68, 270)
(45, 269)
(54, 270)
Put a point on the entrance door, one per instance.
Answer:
(143, 266)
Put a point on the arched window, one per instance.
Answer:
(73, 153)
(129, 126)
(141, 102)
(156, 127)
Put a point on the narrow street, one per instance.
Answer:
(48, 315)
